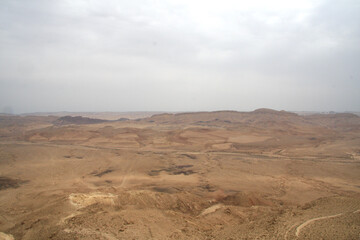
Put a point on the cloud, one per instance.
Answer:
(179, 55)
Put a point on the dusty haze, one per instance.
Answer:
(179, 55)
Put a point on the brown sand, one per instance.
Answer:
(220, 175)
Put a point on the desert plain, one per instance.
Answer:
(263, 174)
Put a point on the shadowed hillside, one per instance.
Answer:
(77, 120)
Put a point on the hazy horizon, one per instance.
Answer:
(179, 56)
(63, 113)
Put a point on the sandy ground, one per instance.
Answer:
(165, 178)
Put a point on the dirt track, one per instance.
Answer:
(308, 222)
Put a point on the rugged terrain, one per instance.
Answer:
(210, 175)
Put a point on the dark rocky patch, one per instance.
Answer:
(189, 156)
(68, 156)
(165, 189)
(175, 170)
(183, 166)
(100, 174)
(6, 182)
(208, 188)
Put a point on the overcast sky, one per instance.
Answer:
(179, 55)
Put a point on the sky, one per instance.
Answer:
(179, 55)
